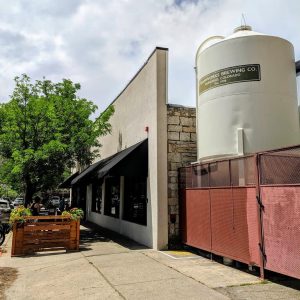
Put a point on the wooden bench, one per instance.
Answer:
(45, 233)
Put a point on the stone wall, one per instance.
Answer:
(182, 150)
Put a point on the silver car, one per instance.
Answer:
(5, 209)
(18, 201)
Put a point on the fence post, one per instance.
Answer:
(259, 218)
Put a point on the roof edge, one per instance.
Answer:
(136, 74)
(174, 105)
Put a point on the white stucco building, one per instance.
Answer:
(132, 189)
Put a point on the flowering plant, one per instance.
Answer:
(18, 214)
(74, 213)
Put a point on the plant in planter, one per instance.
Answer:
(74, 213)
(17, 214)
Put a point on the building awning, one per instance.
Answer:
(88, 171)
(130, 161)
(66, 184)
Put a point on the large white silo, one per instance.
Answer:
(246, 94)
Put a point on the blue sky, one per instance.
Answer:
(102, 44)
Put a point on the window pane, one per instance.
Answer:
(135, 200)
(97, 196)
(112, 197)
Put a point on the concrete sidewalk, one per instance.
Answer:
(111, 267)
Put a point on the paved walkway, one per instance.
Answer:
(111, 267)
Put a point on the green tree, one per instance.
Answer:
(7, 191)
(45, 129)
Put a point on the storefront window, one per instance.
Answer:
(97, 196)
(112, 197)
(135, 200)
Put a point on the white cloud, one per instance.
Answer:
(102, 44)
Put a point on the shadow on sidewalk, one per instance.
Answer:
(283, 280)
(92, 233)
(270, 276)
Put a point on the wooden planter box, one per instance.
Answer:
(45, 233)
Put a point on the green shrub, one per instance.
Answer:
(75, 213)
(18, 214)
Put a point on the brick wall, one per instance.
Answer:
(182, 150)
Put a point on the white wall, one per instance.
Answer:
(143, 104)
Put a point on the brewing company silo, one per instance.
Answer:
(246, 94)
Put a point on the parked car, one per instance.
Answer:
(5, 209)
(55, 200)
(7, 198)
(18, 201)
(5, 206)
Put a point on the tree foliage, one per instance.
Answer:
(45, 129)
(7, 191)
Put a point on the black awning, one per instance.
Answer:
(116, 163)
(66, 184)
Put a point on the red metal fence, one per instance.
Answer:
(280, 196)
(247, 209)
